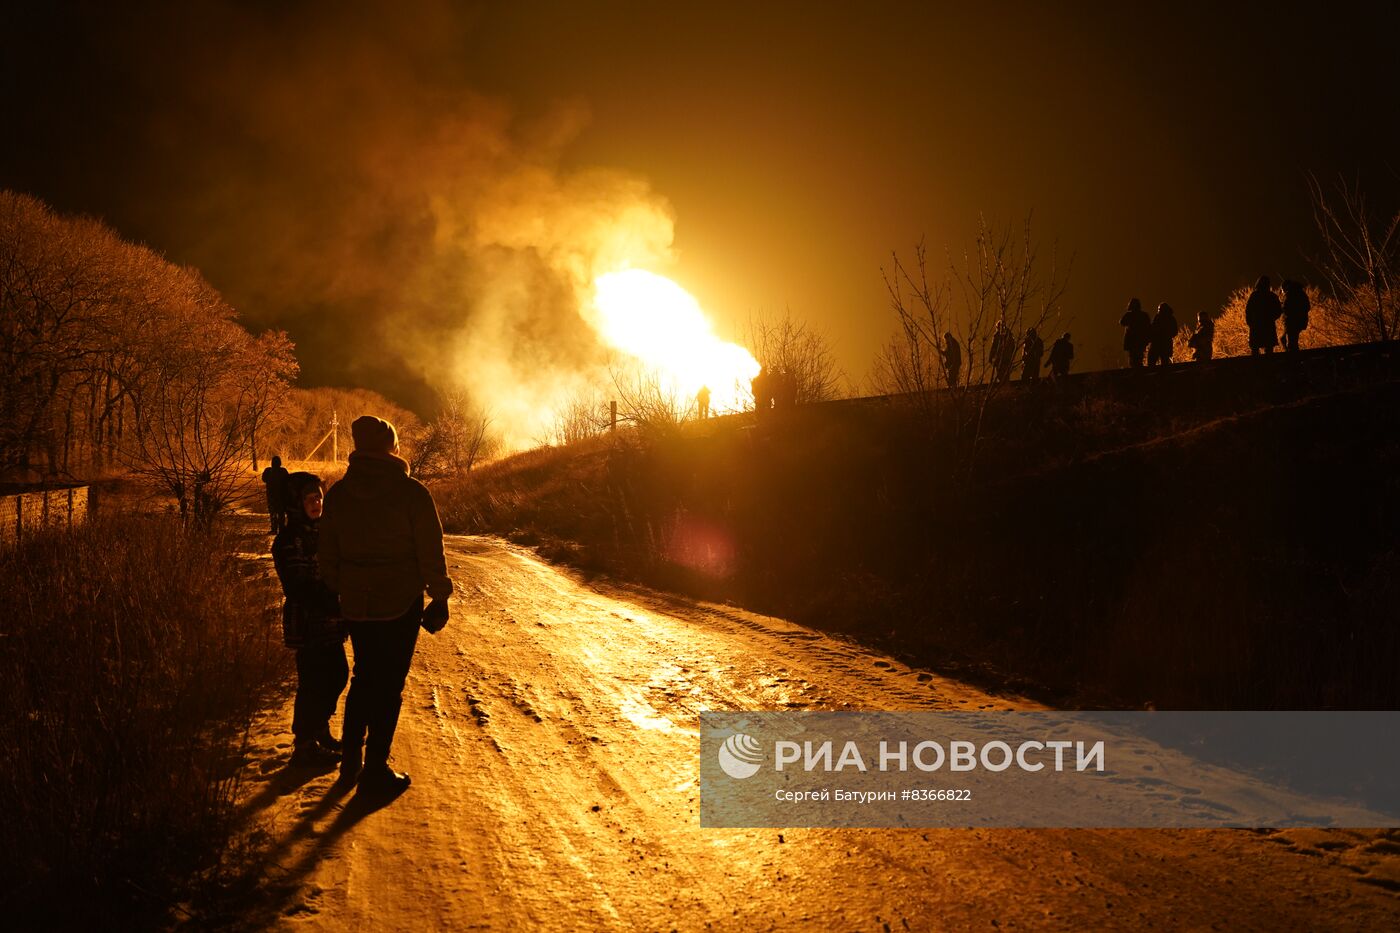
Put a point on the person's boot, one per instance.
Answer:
(350, 764)
(329, 742)
(310, 754)
(381, 780)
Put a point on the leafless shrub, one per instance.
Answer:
(585, 415)
(787, 345)
(1325, 329)
(134, 655)
(1360, 260)
(1000, 280)
(645, 397)
(454, 441)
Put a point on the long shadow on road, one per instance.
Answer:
(267, 883)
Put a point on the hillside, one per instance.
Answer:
(1215, 536)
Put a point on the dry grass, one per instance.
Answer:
(133, 656)
(1113, 552)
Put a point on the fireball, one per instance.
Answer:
(662, 326)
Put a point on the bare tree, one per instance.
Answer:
(784, 344)
(52, 290)
(583, 416)
(1001, 279)
(645, 397)
(454, 441)
(192, 429)
(271, 368)
(1360, 260)
(912, 362)
(108, 351)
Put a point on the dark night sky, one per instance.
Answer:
(326, 165)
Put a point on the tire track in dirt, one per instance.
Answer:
(551, 731)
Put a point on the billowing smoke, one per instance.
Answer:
(334, 172)
(540, 239)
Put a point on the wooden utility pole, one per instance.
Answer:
(333, 435)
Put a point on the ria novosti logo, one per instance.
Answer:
(740, 756)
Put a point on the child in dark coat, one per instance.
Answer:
(311, 624)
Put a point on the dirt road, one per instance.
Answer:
(551, 734)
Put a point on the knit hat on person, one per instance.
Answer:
(374, 435)
(300, 484)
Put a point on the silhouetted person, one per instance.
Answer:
(1261, 313)
(1295, 314)
(1032, 349)
(1202, 341)
(381, 548)
(1061, 355)
(1137, 332)
(1003, 352)
(1164, 331)
(784, 390)
(702, 402)
(275, 479)
(951, 351)
(311, 624)
(762, 391)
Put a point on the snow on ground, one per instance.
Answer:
(551, 734)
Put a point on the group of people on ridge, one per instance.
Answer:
(356, 561)
(773, 389)
(1155, 337)
(1001, 355)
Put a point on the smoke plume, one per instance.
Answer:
(335, 173)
